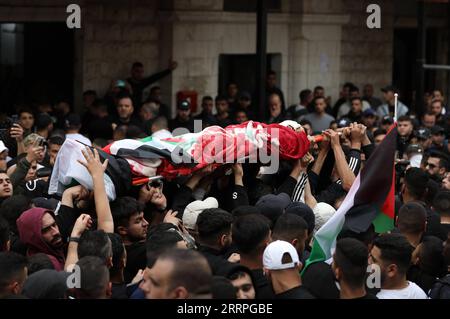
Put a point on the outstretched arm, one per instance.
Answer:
(97, 171)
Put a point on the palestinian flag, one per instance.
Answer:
(184, 154)
(369, 200)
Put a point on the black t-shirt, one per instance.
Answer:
(263, 288)
(298, 292)
(136, 259)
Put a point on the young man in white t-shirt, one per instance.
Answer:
(392, 254)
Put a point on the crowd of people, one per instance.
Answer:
(230, 232)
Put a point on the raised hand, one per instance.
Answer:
(16, 132)
(93, 163)
(83, 222)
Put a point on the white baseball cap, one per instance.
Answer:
(3, 147)
(195, 208)
(273, 255)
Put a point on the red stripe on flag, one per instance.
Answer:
(388, 207)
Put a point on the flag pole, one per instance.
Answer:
(395, 107)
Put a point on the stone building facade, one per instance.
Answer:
(324, 42)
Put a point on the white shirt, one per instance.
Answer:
(162, 134)
(79, 137)
(412, 291)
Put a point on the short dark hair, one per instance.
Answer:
(354, 88)
(441, 203)
(318, 98)
(25, 109)
(94, 277)
(351, 256)
(289, 227)
(161, 237)
(429, 114)
(123, 208)
(4, 233)
(395, 249)
(222, 288)
(244, 210)
(249, 233)
(304, 95)
(379, 131)
(191, 270)
(212, 224)
(305, 122)
(55, 139)
(11, 209)
(431, 258)
(38, 262)
(416, 181)
(221, 98)
(405, 118)
(207, 98)
(137, 64)
(318, 87)
(118, 251)
(124, 95)
(412, 218)
(356, 98)
(95, 243)
(11, 267)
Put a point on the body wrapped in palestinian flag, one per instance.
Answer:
(178, 156)
(184, 154)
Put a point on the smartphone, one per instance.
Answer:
(15, 118)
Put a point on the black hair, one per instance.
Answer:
(124, 95)
(318, 98)
(212, 223)
(94, 277)
(441, 203)
(207, 98)
(289, 227)
(356, 98)
(305, 122)
(303, 95)
(123, 208)
(191, 271)
(366, 237)
(134, 132)
(221, 98)
(11, 209)
(431, 258)
(318, 87)
(118, 251)
(25, 109)
(222, 288)
(160, 238)
(348, 85)
(244, 210)
(416, 181)
(354, 88)
(38, 262)
(95, 243)
(412, 218)
(351, 257)
(12, 266)
(55, 139)
(249, 233)
(405, 118)
(379, 131)
(395, 249)
(137, 64)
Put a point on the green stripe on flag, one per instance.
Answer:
(383, 223)
(317, 254)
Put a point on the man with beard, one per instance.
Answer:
(391, 254)
(39, 231)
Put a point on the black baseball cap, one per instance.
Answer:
(436, 130)
(423, 133)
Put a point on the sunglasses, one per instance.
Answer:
(156, 183)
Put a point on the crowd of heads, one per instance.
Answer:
(231, 232)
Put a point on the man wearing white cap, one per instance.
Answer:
(282, 266)
(4, 158)
(193, 210)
